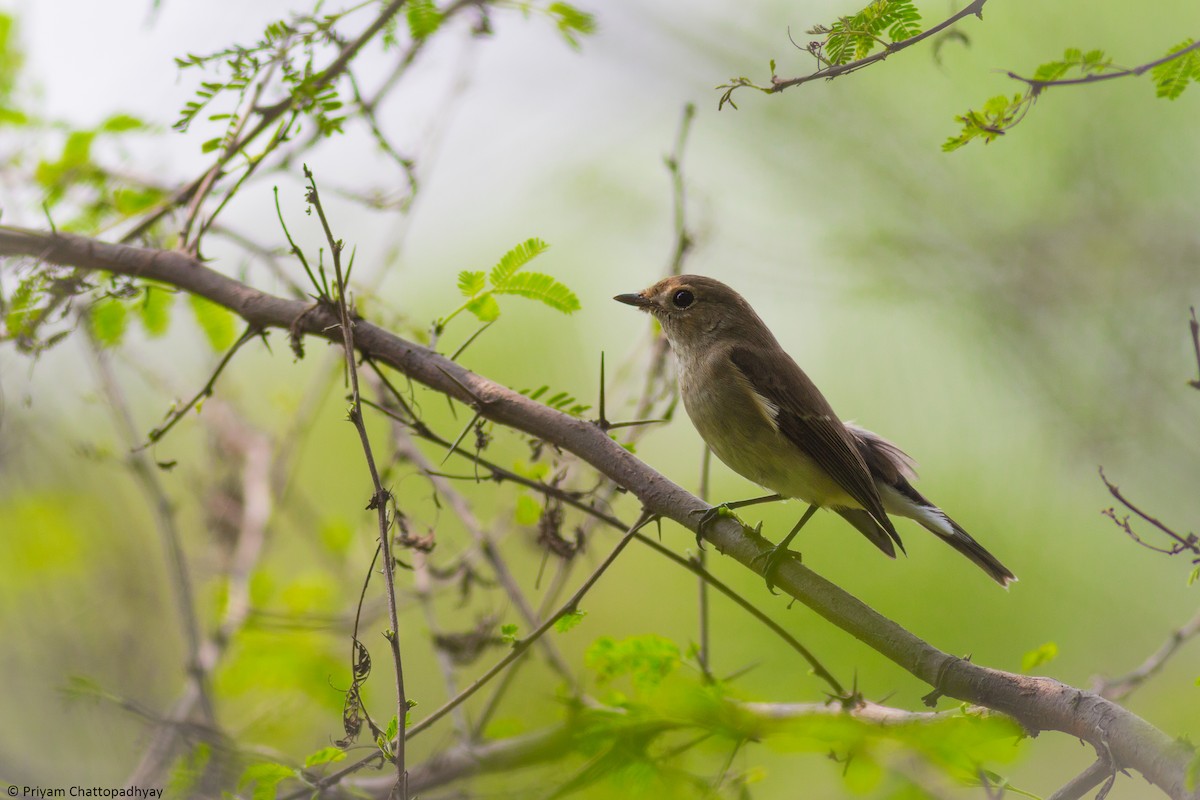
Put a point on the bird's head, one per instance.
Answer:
(696, 312)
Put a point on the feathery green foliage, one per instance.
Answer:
(571, 22)
(1091, 62)
(995, 118)
(880, 23)
(423, 18)
(1171, 78)
(506, 278)
(1180, 66)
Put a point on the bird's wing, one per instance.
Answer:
(816, 430)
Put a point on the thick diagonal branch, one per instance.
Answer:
(1037, 703)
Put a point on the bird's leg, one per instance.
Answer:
(726, 510)
(780, 551)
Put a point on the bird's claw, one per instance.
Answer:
(774, 557)
(709, 515)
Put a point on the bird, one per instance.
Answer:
(764, 418)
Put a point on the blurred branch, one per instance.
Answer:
(1099, 771)
(1037, 703)
(1121, 687)
(179, 576)
(469, 759)
(1194, 327)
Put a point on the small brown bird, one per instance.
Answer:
(767, 421)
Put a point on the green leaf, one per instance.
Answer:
(265, 777)
(1039, 656)
(78, 148)
(423, 18)
(569, 620)
(11, 116)
(155, 311)
(109, 320)
(538, 286)
(509, 633)
(326, 755)
(216, 322)
(647, 659)
(130, 201)
(211, 145)
(995, 118)
(23, 308)
(1193, 576)
(470, 283)
(119, 123)
(11, 56)
(514, 259)
(529, 511)
(1171, 78)
(393, 728)
(854, 37)
(188, 770)
(571, 21)
(484, 307)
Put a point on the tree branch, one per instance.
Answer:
(1037, 703)
(836, 71)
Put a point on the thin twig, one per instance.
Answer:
(829, 73)
(205, 391)
(1037, 86)
(1194, 327)
(1189, 543)
(381, 497)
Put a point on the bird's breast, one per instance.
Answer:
(741, 431)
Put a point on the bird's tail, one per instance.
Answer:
(961, 541)
(892, 469)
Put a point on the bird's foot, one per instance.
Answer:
(711, 515)
(774, 557)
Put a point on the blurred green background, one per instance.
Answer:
(1014, 315)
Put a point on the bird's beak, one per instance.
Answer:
(635, 300)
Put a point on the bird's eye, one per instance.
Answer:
(683, 298)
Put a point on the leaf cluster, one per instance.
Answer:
(1172, 74)
(289, 48)
(507, 278)
(851, 38)
(1172, 77)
